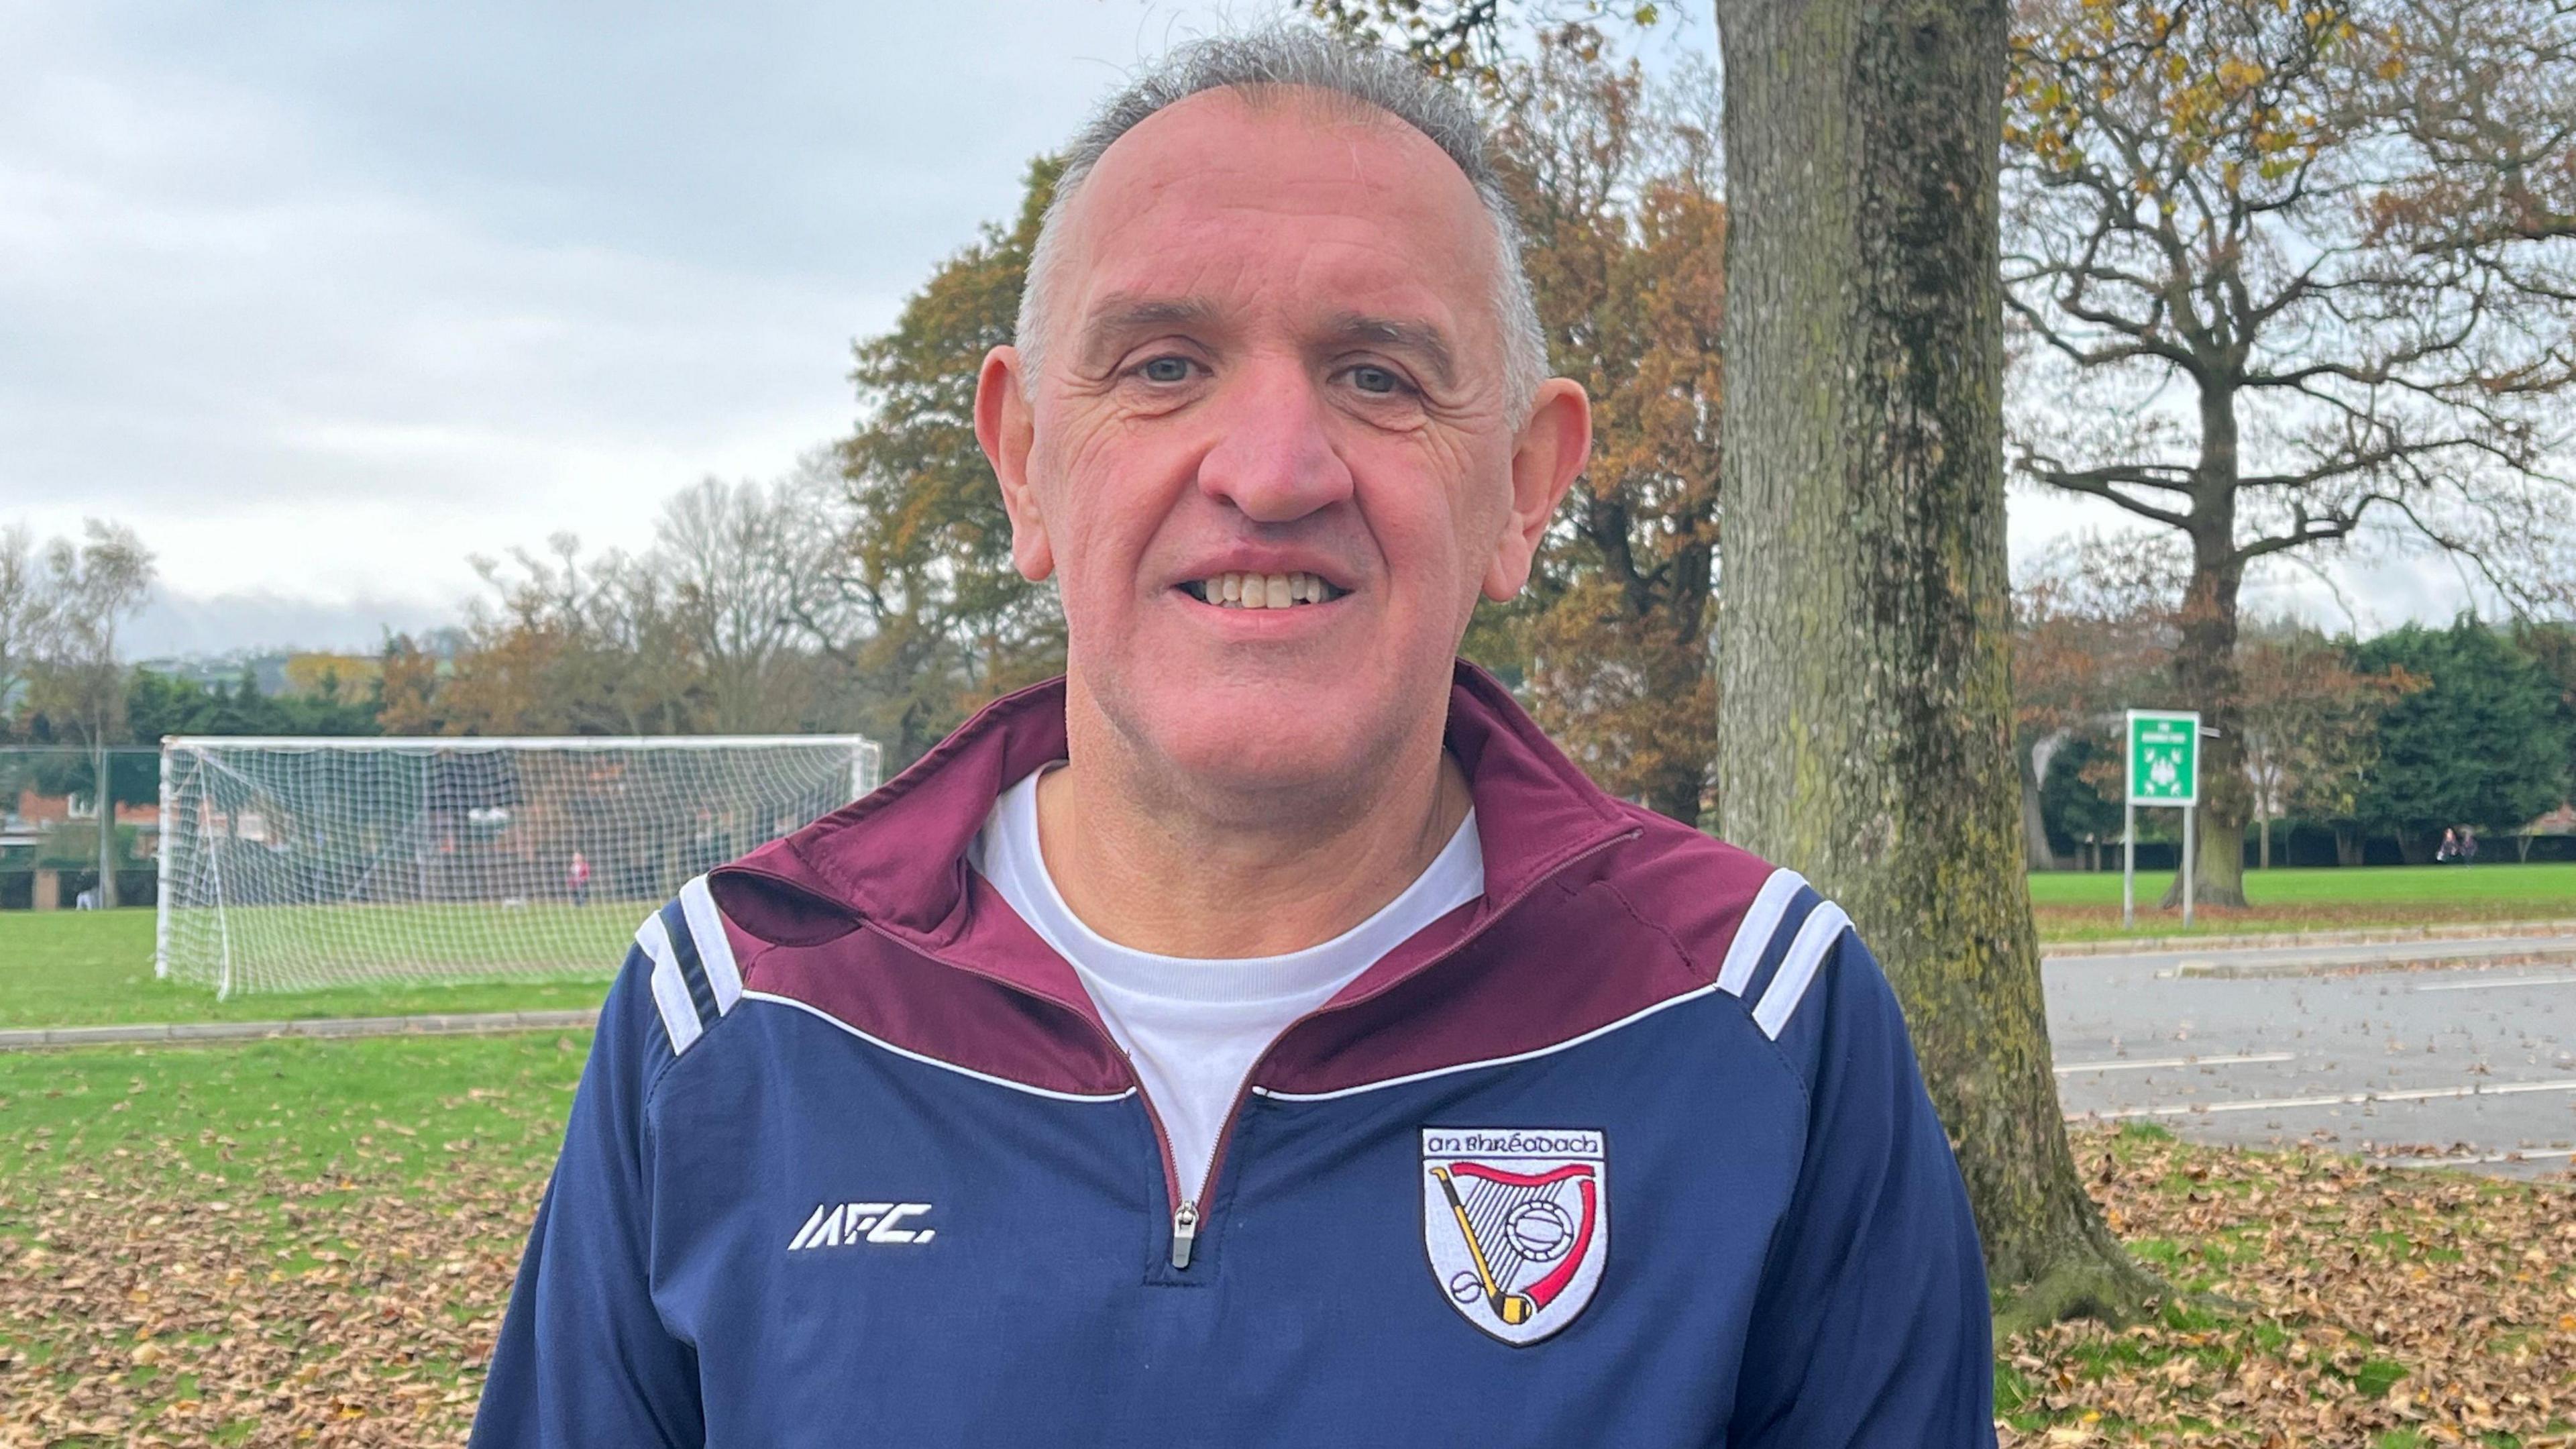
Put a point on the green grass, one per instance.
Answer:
(89, 968)
(400, 1108)
(2085, 905)
(284, 942)
(2547, 887)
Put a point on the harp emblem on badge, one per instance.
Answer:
(1516, 1221)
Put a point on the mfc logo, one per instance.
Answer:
(835, 1224)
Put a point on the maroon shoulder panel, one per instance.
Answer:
(898, 996)
(1644, 921)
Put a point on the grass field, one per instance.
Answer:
(296, 948)
(2085, 905)
(90, 968)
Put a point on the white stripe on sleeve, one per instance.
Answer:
(1816, 937)
(670, 993)
(715, 949)
(1753, 934)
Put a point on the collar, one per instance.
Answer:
(896, 858)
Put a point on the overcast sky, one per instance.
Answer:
(324, 298)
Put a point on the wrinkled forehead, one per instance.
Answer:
(1288, 205)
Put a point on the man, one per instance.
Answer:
(1261, 1035)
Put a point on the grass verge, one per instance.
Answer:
(94, 968)
(2083, 905)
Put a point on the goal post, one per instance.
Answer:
(298, 863)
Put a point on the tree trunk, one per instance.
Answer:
(2347, 844)
(2205, 662)
(2037, 854)
(1866, 718)
(2264, 816)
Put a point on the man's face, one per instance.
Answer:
(1271, 461)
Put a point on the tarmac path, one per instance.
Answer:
(2418, 1052)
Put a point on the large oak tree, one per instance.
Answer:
(2290, 273)
(1864, 650)
(1864, 638)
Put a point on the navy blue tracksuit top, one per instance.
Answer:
(1632, 1151)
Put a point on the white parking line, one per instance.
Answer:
(2480, 1159)
(2348, 1099)
(2127, 1064)
(2499, 985)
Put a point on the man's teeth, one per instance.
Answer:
(1264, 591)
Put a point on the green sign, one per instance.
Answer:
(2164, 758)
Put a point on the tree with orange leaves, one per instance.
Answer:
(1616, 182)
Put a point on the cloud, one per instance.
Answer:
(323, 299)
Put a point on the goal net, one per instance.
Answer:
(290, 864)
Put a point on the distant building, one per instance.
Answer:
(27, 827)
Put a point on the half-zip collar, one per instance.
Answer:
(896, 859)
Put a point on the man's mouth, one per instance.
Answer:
(1262, 591)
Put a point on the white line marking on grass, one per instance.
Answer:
(2498, 985)
(2345, 1099)
(2158, 1063)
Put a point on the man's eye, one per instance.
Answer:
(1378, 380)
(1166, 369)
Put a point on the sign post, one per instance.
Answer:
(2164, 769)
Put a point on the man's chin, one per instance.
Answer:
(1286, 757)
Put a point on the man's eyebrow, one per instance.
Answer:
(1118, 318)
(1423, 339)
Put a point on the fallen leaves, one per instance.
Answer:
(2321, 1301)
(150, 1299)
(129, 1316)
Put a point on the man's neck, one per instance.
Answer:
(1179, 877)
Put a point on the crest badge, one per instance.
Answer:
(1517, 1224)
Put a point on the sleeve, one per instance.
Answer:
(584, 1358)
(1873, 1326)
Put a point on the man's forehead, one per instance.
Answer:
(1278, 155)
(1222, 195)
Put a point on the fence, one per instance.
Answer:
(49, 825)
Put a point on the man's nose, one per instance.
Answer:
(1273, 459)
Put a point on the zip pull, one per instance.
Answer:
(1185, 1232)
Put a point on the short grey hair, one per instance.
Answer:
(1288, 56)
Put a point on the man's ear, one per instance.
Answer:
(1006, 427)
(1547, 456)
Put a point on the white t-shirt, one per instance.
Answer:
(1193, 1026)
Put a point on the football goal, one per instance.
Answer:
(290, 864)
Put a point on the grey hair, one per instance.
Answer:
(1286, 56)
